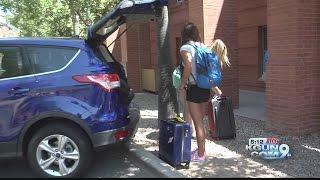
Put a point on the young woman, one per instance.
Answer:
(183, 106)
(197, 98)
(220, 49)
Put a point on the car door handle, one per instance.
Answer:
(17, 91)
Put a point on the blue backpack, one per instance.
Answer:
(207, 67)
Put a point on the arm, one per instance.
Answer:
(216, 91)
(187, 59)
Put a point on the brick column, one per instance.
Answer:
(115, 47)
(221, 22)
(133, 60)
(137, 53)
(196, 15)
(293, 74)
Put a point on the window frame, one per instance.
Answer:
(24, 59)
(48, 46)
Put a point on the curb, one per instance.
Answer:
(153, 162)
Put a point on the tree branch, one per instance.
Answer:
(87, 22)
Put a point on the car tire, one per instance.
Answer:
(76, 142)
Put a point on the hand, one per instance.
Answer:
(219, 92)
(216, 91)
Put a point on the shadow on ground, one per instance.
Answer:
(110, 162)
(229, 158)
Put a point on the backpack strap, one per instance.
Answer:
(205, 58)
(196, 50)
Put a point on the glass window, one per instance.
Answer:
(45, 59)
(11, 63)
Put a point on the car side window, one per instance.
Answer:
(46, 59)
(11, 63)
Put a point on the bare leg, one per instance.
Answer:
(197, 112)
(204, 107)
(188, 118)
(186, 112)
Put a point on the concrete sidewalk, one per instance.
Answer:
(251, 105)
(153, 163)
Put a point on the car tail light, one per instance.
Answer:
(106, 81)
(121, 135)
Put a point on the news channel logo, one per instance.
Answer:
(268, 148)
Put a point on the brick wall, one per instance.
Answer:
(178, 13)
(220, 22)
(178, 17)
(196, 15)
(153, 45)
(123, 44)
(137, 53)
(115, 48)
(293, 74)
(145, 45)
(251, 15)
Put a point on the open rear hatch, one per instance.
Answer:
(128, 11)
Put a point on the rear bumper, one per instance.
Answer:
(110, 137)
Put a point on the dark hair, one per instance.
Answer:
(190, 32)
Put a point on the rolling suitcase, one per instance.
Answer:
(175, 143)
(221, 119)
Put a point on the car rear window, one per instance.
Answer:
(46, 59)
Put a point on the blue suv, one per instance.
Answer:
(62, 98)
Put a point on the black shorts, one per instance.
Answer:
(197, 95)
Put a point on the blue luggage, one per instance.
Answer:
(175, 143)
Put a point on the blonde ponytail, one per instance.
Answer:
(221, 51)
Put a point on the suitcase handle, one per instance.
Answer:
(182, 148)
(216, 98)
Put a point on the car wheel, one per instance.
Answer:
(59, 150)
